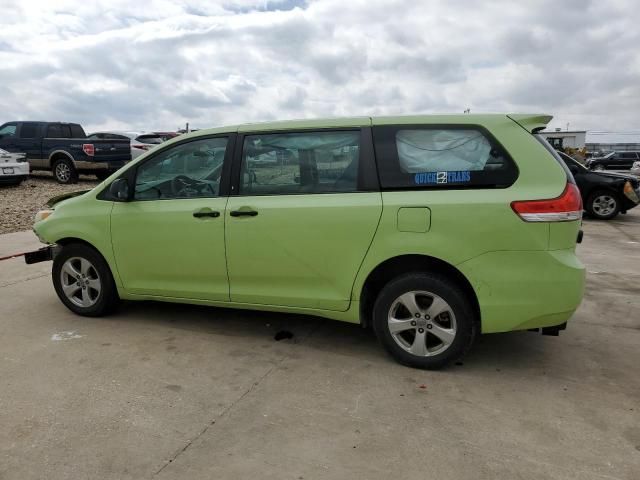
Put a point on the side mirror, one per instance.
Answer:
(119, 190)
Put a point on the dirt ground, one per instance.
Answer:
(19, 204)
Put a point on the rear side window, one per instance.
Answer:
(299, 163)
(441, 157)
(53, 131)
(65, 131)
(28, 130)
(77, 131)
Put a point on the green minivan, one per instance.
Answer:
(429, 229)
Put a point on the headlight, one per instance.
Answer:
(42, 214)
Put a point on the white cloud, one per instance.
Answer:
(158, 64)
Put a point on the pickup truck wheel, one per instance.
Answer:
(64, 171)
(424, 320)
(83, 281)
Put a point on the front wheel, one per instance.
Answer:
(83, 281)
(603, 205)
(424, 320)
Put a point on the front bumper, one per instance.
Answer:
(43, 254)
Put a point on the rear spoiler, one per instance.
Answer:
(531, 122)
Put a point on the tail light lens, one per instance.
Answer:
(141, 146)
(565, 208)
(89, 149)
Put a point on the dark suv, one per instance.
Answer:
(614, 161)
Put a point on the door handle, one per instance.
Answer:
(243, 213)
(204, 214)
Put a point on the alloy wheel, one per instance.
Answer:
(604, 205)
(80, 282)
(422, 323)
(63, 172)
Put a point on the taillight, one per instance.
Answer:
(565, 208)
(141, 146)
(89, 149)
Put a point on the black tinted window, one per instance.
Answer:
(53, 131)
(295, 163)
(65, 131)
(77, 131)
(628, 155)
(28, 130)
(440, 157)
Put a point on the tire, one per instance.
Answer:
(93, 295)
(102, 175)
(456, 323)
(603, 205)
(598, 167)
(64, 171)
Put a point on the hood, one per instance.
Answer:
(59, 198)
(621, 176)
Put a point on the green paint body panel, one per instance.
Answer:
(312, 254)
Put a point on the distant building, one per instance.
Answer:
(560, 139)
(613, 142)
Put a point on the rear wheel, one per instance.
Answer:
(603, 205)
(64, 171)
(83, 281)
(424, 320)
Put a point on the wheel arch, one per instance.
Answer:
(410, 263)
(60, 154)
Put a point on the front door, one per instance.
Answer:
(169, 240)
(301, 224)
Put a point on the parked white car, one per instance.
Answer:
(140, 141)
(14, 168)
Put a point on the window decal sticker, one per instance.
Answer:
(432, 178)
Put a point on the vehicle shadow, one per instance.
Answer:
(512, 350)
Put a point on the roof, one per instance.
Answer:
(528, 121)
(613, 137)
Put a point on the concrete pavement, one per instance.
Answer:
(171, 391)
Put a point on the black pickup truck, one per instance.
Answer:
(63, 148)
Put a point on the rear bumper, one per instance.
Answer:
(527, 289)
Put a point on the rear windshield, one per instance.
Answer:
(151, 139)
(441, 157)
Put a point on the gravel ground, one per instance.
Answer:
(19, 204)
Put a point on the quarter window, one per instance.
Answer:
(299, 163)
(188, 170)
(440, 157)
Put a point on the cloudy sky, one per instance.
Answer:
(152, 65)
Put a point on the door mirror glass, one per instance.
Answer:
(119, 190)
